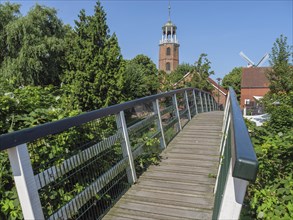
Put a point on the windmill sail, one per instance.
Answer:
(250, 63)
(263, 59)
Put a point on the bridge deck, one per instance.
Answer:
(181, 186)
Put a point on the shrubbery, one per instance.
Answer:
(271, 197)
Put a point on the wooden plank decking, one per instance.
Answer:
(181, 186)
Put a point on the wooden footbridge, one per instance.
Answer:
(97, 165)
(182, 185)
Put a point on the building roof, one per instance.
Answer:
(216, 86)
(169, 24)
(255, 77)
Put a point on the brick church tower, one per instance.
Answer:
(169, 47)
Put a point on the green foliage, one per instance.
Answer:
(165, 81)
(34, 52)
(272, 195)
(198, 77)
(200, 74)
(281, 74)
(8, 13)
(275, 201)
(180, 71)
(93, 77)
(48, 72)
(30, 106)
(140, 78)
(280, 108)
(233, 79)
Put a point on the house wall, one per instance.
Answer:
(248, 93)
(222, 97)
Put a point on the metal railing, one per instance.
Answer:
(238, 163)
(78, 167)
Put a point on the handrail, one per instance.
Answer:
(238, 162)
(74, 157)
(29, 134)
(244, 161)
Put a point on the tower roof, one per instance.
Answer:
(169, 24)
(169, 31)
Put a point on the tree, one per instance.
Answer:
(140, 78)
(201, 73)
(269, 197)
(180, 71)
(94, 63)
(34, 48)
(198, 77)
(281, 74)
(8, 13)
(145, 62)
(233, 79)
(279, 101)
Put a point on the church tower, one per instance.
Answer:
(169, 47)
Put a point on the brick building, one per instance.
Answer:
(219, 93)
(254, 85)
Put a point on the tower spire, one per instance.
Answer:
(169, 8)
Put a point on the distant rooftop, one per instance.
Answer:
(255, 77)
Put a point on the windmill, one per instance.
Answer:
(250, 63)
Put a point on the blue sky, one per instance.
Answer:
(219, 28)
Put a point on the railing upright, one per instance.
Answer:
(195, 103)
(205, 102)
(25, 182)
(175, 104)
(213, 103)
(209, 102)
(126, 147)
(187, 105)
(201, 102)
(156, 107)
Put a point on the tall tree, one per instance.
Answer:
(201, 73)
(180, 71)
(140, 77)
(34, 48)
(233, 79)
(281, 74)
(8, 13)
(279, 101)
(94, 62)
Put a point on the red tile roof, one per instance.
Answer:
(216, 86)
(254, 77)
